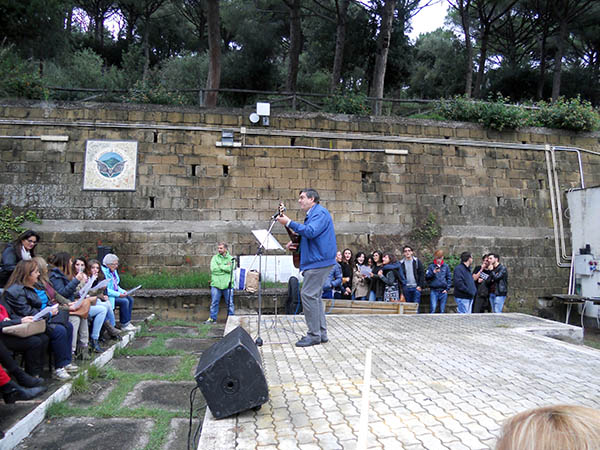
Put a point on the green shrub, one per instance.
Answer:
(147, 92)
(19, 78)
(495, 113)
(348, 103)
(569, 114)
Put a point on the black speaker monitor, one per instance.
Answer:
(230, 375)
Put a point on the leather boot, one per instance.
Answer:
(95, 346)
(112, 331)
(11, 392)
(24, 379)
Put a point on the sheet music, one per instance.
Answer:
(267, 240)
(47, 310)
(365, 271)
(131, 291)
(86, 287)
(99, 287)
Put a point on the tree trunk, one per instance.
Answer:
(146, 49)
(464, 19)
(562, 38)
(383, 47)
(340, 42)
(295, 46)
(214, 50)
(540, 84)
(485, 36)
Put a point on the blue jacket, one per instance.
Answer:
(62, 284)
(464, 285)
(318, 245)
(441, 280)
(113, 280)
(334, 279)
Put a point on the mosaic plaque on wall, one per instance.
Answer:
(110, 165)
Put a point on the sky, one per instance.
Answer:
(428, 19)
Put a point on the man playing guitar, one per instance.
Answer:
(317, 255)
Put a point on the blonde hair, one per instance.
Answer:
(558, 427)
(43, 268)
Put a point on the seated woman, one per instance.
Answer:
(94, 270)
(21, 249)
(63, 281)
(33, 349)
(11, 391)
(360, 281)
(116, 294)
(21, 300)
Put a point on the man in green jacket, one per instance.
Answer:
(221, 281)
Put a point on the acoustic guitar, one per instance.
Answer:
(294, 237)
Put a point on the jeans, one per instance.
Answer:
(215, 298)
(497, 302)
(436, 295)
(60, 342)
(110, 314)
(125, 305)
(465, 305)
(412, 295)
(98, 314)
(372, 297)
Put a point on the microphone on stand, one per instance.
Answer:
(279, 212)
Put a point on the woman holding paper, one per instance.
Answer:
(21, 301)
(116, 294)
(360, 278)
(66, 284)
(93, 270)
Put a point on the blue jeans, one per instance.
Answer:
(497, 302)
(98, 315)
(412, 295)
(372, 297)
(465, 305)
(125, 305)
(436, 295)
(60, 342)
(215, 298)
(110, 314)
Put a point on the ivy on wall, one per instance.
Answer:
(10, 225)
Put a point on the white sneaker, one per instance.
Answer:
(62, 374)
(129, 327)
(71, 367)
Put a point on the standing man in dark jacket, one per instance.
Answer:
(498, 283)
(317, 256)
(464, 285)
(412, 271)
(440, 280)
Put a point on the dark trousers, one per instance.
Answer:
(60, 342)
(125, 305)
(33, 349)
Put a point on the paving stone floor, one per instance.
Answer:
(437, 381)
(140, 401)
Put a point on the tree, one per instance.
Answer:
(382, 49)
(463, 7)
(295, 44)
(488, 13)
(98, 11)
(214, 50)
(565, 13)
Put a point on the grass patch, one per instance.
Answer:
(165, 280)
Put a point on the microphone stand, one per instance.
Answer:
(259, 252)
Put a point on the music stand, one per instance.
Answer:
(266, 241)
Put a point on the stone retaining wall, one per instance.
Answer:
(380, 178)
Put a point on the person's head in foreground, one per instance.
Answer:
(558, 427)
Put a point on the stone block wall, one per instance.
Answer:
(192, 193)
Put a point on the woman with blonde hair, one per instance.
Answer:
(558, 427)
